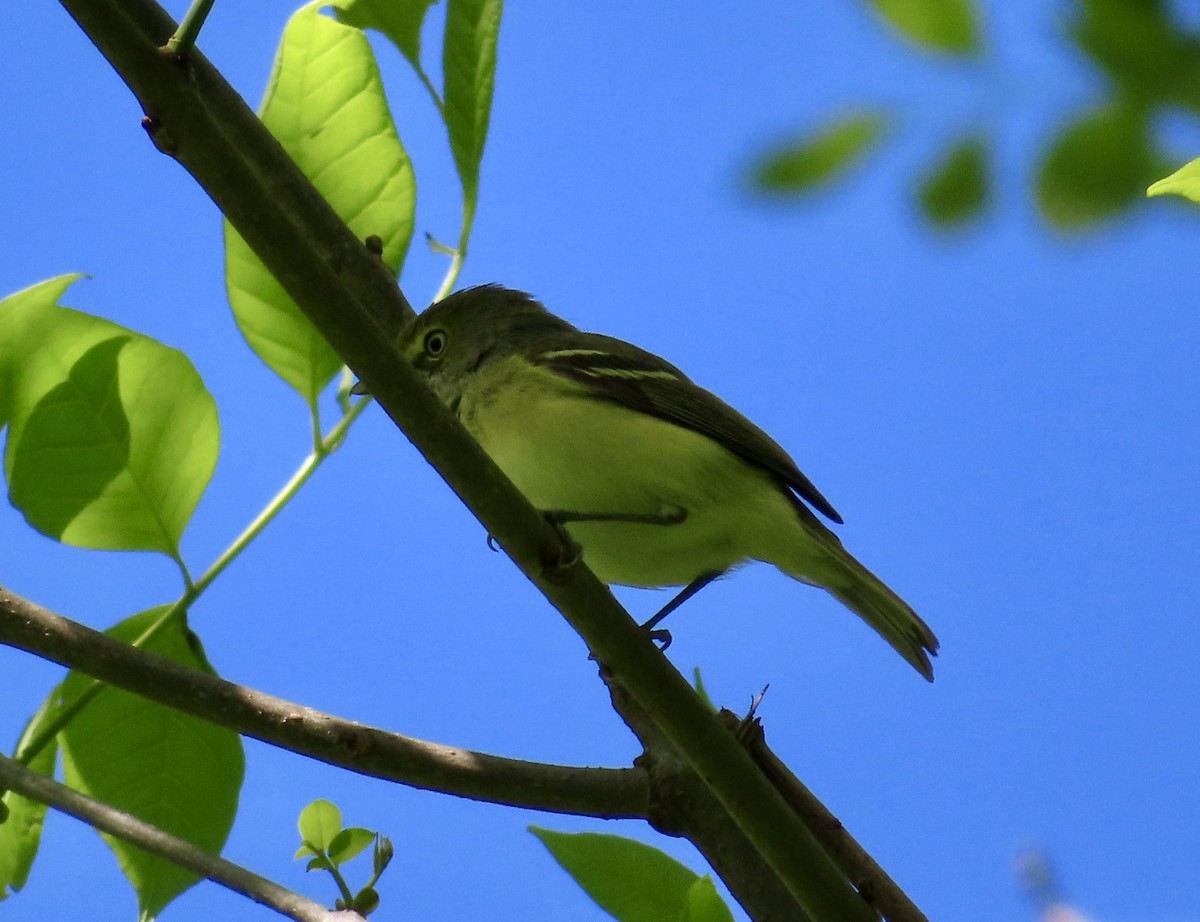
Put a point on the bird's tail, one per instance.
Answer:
(864, 593)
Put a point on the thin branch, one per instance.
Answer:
(607, 793)
(189, 29)
(128, 828)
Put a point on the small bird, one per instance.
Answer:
(660, 482)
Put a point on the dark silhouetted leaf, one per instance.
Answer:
(957, 188)
(950, 26)
(816, 159)
(1098, 166)
(1141, 48)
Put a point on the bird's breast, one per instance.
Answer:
(569, 450)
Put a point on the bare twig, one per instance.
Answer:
(608, 793)
(124, 826)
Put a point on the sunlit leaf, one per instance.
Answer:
(950, 26)
(1185, 181)
(350, 842)
(174, 771)
(704, 904)
(399, 20)
(21, 832)
(629, 880)
(819, 157)
(113, 436)
(319, 822)
(1098, 166)
(14, 310)
(698, 684)
(469, 75)
(957, 188)
(325, 103)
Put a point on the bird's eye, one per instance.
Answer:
(435, 343)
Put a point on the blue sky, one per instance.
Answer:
(1006, 419)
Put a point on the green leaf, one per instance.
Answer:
(469, 77)
(349, 842)
(1098, 166)
(957, 188)
(113, 436)
(820, 157)
(704, 904)
(319, 822)
(174, 771)
(1185, 181)
(949, 26)
(326, 106)
(21, 833)
(1140, 47)
(399, 20)
(630, 881)
(381, 855)
(366, 901)
(14, 311)
(74, 444)
(698, 684)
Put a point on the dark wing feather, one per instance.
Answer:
(622, 372)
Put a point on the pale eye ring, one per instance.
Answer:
(435, 343)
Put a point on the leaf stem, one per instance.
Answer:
(460, 252)
(309, 467)
(347, 896)
(184, 39)
(193, 590)
(429, 87)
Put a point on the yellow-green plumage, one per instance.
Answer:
(585, 423)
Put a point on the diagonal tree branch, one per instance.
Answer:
(862, 870)
(195, 116)
(16, 777)
(607, 793)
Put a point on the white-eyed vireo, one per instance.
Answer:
(659, 481)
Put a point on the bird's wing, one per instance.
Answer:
(622, 372)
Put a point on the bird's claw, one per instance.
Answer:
(660, 636)
(558, 562)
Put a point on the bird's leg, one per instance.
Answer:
(668, 515)
(572, 553)
(558, 518)
(662, 635)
